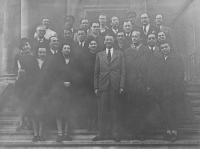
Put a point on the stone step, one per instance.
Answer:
(101, 144)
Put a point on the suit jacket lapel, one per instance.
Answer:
(137, 54)
(114, 55)
(104, 56)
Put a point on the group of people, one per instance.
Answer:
(130, 78)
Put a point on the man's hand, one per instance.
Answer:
(66, 84)
(121, 90)
(96, 91)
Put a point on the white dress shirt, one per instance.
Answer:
(147, 28)
(111, 51)
(40, 63)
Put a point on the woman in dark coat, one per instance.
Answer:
(89, 57)
(24, 70)
(166, 85)
(61, 92)
(39, 99)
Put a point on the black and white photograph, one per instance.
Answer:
(100, 74)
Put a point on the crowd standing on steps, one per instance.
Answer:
(123, 81)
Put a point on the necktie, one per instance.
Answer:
(152, 49)
(145, 31)
(109, 55)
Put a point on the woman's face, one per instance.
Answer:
(93, 45)
(26, 48)
(66, 49)
(161, 36)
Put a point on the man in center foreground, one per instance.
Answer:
(109, 81)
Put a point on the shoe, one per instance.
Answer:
(117, 139)
(41, 138)
(167, 137)
(35, 138)
(173, 137)
(20, 127)
(59, 138)
(96, 139)
(67, 138)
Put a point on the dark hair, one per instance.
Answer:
(103, 14)
(84, 19)
(69, 17)
(23, 42)
(88, 41)
(82, 29)
(131, 13)
(67, 29)
(169, 42)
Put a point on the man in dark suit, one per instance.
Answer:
(67, 37)
(138, 110)
(102, 22)
(120, 41)
(131, 16)
(40, 41)
(147, 28)
(127, 27)
(95, 34)
(69, 23)
(115, 26)
(85, 24)
(159, 24)
(109, 82)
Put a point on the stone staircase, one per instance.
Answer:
(9, 138)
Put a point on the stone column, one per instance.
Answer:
(11, 33)
(25, 19)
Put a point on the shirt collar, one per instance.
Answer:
(137, 48)
(111, 51)
(152, 47)
(40, 40)
(115, 30)
(53, 52)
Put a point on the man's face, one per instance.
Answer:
(136, 37)
(85, 24)
(151, 40)
(109, 41)
(69, 23)
(165, 48)
(159, 19)
(26, 48)
(93, 46)
(115, 21)
(81, 35)
(144, 19)
(46, 23)
(161, 36)
(102, 19)
(66, 50)
(42, 52)
(95, 28)
(67, 34)
(41, 32)
(127, 27)
(120, 37)
(54, 42)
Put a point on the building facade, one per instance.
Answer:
(19, 18)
